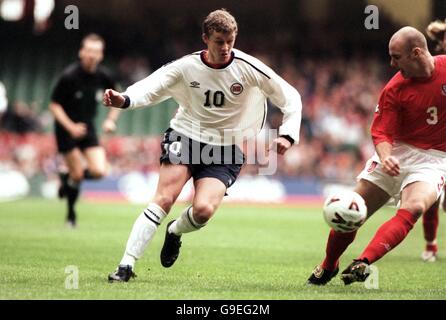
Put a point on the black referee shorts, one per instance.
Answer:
(204, 160)
(65, 143)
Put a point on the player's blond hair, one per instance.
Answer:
(435, 30)
(220, 21)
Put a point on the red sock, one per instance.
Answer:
(389, 235)
(430, 223)
(336, 245)
(431, 247)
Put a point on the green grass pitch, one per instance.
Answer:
(245, 252)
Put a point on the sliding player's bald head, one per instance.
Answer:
(408, 38)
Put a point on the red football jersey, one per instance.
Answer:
(413, 111)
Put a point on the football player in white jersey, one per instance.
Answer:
(222, 94)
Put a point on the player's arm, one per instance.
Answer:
(147, 92)
(390, 164)
(383, 128)
(76, 130)
(288, 100)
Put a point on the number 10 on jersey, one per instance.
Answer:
(216, 99)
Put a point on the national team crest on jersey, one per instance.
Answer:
(443, 89)
(236, 88)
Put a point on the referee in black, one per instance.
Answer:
(73, 103)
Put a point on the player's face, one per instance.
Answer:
(219, 46)
(91, 54)
(401, 59)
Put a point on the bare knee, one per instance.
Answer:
(98, 173)
(165, 201)
(77, 175)
(202, 212)
(416, 207)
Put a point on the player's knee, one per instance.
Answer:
(203, 212)
(416, 207)
(165, 201)
(77, 175)
(98, 173)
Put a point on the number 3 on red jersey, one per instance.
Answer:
(433, 115)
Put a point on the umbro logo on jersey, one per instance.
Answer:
(443, 89)
(195, 84)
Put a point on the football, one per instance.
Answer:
(345, 211)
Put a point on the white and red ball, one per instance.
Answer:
(345, 211)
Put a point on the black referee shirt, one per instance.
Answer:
(80, 92)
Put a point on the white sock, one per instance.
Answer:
(185, 223)
(142, 232)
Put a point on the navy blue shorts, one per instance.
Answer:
(204, 160)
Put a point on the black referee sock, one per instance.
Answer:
(72, 196)
(71, 217)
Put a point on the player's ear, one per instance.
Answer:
(416, 52)
(205, 38)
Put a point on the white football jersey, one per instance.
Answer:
(220, 106)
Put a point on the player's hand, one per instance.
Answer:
(78, 130)
(391, 166)
(109, 126)
(280, 145)
(113, 99)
